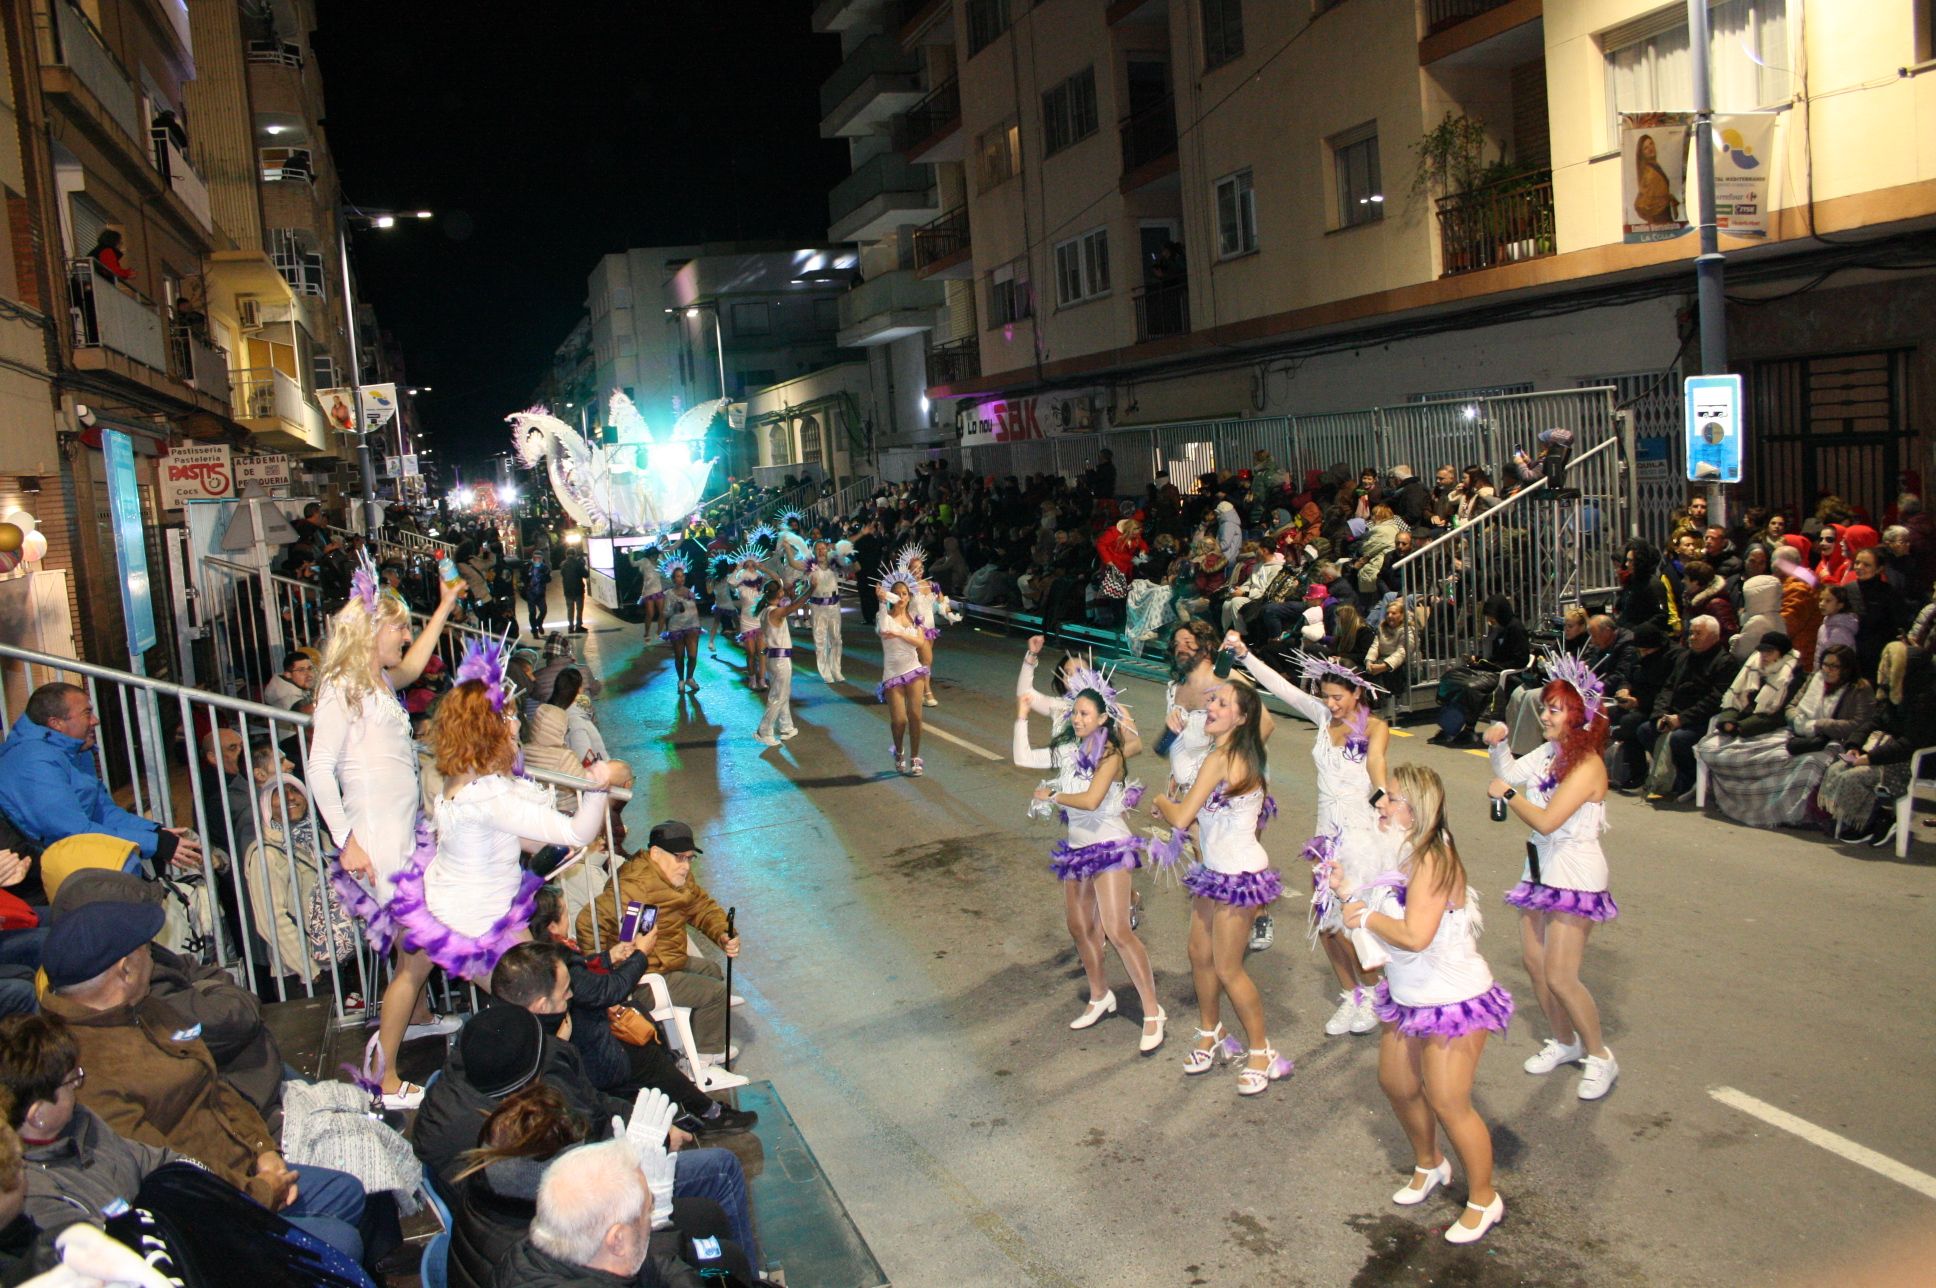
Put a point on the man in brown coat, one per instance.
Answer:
(662, 878)
(150, 1077)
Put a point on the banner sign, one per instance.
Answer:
(269, 471)
(198, 473)
(410, 470)
(1653, 175)
(1714, 429)
(1015, 420)
(1744, 162)
(379, 406)
(339, 408)
(130, 547)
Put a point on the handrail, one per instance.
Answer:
(1503, 506)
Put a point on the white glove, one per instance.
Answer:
(89, 1255)
(652, 1115)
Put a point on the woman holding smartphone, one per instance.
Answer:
(1559, 789)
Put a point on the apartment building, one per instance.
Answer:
(1146, 211)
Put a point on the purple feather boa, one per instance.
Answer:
(465, 956)
(1357, 739)
(1132, 795)
(932, 633)
(904, 678)
(1079, 863)
(1322, 848)
(1165, 852)
(1594, 905)
(1238, 889)
(1492, 1009)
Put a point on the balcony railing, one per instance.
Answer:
(896, 292)
(875, 56)
(1163, 309)
(885, 173)
(1501, 223)
(107, 315)
(264, 393)
(932, 116)
(279, 53)
(1149, 135)
(182, 179)
(78, 47)
(197, 362)
(1440, 14)
(287, 165)
(955, 361)
(936, 241)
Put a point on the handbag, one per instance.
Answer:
(630, 1026)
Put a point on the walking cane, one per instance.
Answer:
(731, 914)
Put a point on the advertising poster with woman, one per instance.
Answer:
(1653, 175)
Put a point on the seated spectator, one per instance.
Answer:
(1633, 704)
(581, 732)
(1760, 613)
(1767, 775)
(1391, 648)
(558, 658)
(1878, 607)
(1760, 691)
(1351, 639)
(1839, 624)
(1648, 595)
(293, 689)
(1800, 613)
(154, 1081)
(1465, 691)
(1380, 545)
(662, 878)
(1858, 792)
(1703, 590)
(1681, 713)
(1252, 588)
(49, 789)
(544, 748)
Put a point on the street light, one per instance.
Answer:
(366, 462)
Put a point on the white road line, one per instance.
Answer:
(1861, 1155)
(928, 730)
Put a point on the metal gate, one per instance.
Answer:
(1831, 425)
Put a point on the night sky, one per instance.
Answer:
(544, 136)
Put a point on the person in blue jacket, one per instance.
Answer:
(50, 791)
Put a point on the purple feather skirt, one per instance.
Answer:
(1238, 889)
(904, 678)
(656, 597)
(679, 634)
(356, 898)
(465, 956)
(1166, 852)
(751, 637)
(1594, 905)
(1492, 1009)
(1080, 862)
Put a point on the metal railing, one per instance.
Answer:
(930, 118)
(875, 56)
(72, 41)
(1163, 309)
(173, 164)
(110, 315)
(1440, 14)
(265, 393)
(280, 164)
(1501, 223)
(955, 361)
(197, 362)
(844, 501)
(279, 53)
(1149, 135)
(897, 292)
(938, 239)
(887, 173)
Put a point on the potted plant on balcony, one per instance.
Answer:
(1451, 156)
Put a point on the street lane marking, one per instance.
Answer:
(1861, 1155)
(945, 736)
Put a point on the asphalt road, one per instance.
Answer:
(909, 980)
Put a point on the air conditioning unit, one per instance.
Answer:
(249, 311)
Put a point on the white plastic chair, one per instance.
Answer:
(675, 1025)
(1906, 803)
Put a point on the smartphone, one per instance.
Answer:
(1225, 659)
(628, 926)
(648, 918)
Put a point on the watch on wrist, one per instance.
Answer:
(1510, 793)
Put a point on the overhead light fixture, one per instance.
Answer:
(384, 221)
(424, 214)
(693, 312)
(274, 129)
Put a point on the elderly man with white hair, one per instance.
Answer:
(1681, 712)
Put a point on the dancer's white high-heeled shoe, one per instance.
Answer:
(1434, 1177)
(1151, 1041)
(1490, 1215)
(1097, 1008)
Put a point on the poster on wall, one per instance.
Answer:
(339, 408)
(1714, 428)
(130, 545)
(202, 472)
(1653, 175)
(1744, 163)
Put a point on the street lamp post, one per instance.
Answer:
(365, 459)
(1709, 265)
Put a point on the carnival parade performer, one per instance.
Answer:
(465, 899)
(1094, 861)
(1350, 755)
(1559, 789)
(1232, 881)
(931, 607)
(776, 604)
(823, 606)
(748, 580)
(901, 669)
(682, 621)
(651, 592)
(725, 602)
(1437, 1000)
(363, 777)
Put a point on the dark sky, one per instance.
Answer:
(545, 135)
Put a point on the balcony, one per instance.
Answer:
(923, 22)
(955, 362)
(109, 316)
(77, 66)
(1501, 223)
(288, 165)
(878, 79)
(887, 308)
(275, 53)
(1486, 33)
(1442, 14)
(1149, 144)
(885, 193)
(1163, 310)
(194, 361)
(276, 412)
(931, 130)
(182, 180)
(839, 15)
(941, 248)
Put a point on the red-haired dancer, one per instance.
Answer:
(1560, 791)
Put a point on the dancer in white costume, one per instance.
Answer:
(1437, 1000)
(682, 622)
(776, 603)
(748, 580)
(1095, 860)
(651, 593)
(931, 608)
(823, 606)
(725, 603)
(1559, 789)
(363, 776)
(901, 669)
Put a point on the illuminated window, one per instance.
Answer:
(1354, 164)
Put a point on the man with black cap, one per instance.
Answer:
(662, 878)
(151, 1078)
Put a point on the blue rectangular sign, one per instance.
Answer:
(1715, 429)
(130, 544)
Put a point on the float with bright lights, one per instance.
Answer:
(642, 484)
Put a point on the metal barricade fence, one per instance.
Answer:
(259, 904)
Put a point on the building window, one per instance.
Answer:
(1649, 68)
(1082, 268)
(1223, 32)
(1069, 112)
(1236, 215)
(1009, 299)
(1354, 167)
(752, 318)
(998, 155)
(987, 19)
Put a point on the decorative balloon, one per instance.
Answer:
(20, 519)
(10, 537)
(33, 548)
